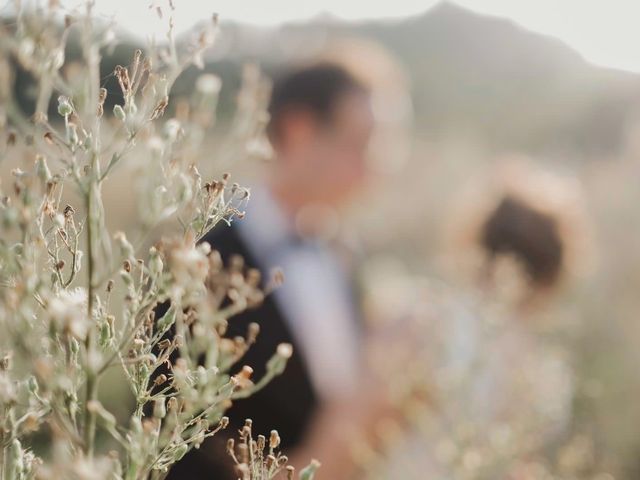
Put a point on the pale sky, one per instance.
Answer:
(605, 32)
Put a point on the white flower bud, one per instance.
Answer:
(79, 255)
(180, 452)
(285, 350)
(72, 134)
(74, 346)
(25, 50)
(144, 371)
(67, 313)
(42, 169)
(58, 220)
(278, 361)
(86, 144)
(155, 263)
(64, 106)
(9, 217)
(159, 408)
(132, 108)
(109, 37)
(208, 84)
(202, 376)
(228, 388)
(125, 247)
(171, 129)
(135, 424)
(105, 334)
(57, 58)
(189, 267)
(167, 320)
(7, 389)
(155, 146)
(32, 385)
(185, 193)
(16, 456)
(118, 112)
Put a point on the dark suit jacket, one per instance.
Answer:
(286, 404)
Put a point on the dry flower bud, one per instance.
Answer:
(285, 350)
(224, 423)
(290, 472)
(159, 408)
(271, 461)
(160, 108)
(246, 372)
(160, 379)
(122, 74)
(68, 211)
(5, 362)
(278, 277)
(31, 423)
(230, 446)
(172, 404)
(149, 425)
(274, 439)
(252, 332)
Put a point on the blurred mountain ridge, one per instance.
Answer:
(471, 74)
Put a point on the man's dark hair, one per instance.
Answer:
(315, 88)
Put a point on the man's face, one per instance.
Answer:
(327, 160)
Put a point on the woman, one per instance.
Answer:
(498, 389)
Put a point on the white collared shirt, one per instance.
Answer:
(315, 300)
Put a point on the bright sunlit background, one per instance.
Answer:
(605, 33)
(461, 88)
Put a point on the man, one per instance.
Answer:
(320, 126)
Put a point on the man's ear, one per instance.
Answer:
(296, 130)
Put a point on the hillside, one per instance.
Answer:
(472, 74)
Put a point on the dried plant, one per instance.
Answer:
(260, 459)
(76, 300)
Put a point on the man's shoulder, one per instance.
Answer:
(227, 240)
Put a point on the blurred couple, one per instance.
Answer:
(320, 128)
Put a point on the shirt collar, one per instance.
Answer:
(266, 225)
